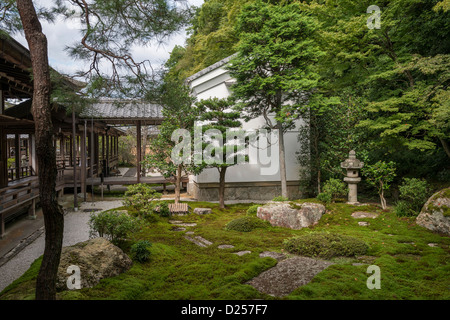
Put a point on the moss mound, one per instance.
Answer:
(246, 224)
(325, 245)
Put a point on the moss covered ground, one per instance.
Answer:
(178, 269)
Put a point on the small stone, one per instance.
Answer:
(364, 224)
(433, 244)
(201, 211)
(363, 215)
(190, 232)
(241, 253)
(225, 246)
(275, 255)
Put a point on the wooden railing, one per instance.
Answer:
(17, 193)
(17, 174)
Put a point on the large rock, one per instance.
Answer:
(97, 259)
(435, 214)
(293, 216)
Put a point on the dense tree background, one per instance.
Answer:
(383, 92)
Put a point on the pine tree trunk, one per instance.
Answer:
(284, 192)
(222, 172)
(178, 185)
(46, 155)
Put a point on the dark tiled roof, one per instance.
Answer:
(133, 110)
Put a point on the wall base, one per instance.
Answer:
(243, 191)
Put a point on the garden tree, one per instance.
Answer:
(380, 175)
(212, 37)
(274, 67)
(399, 71)
(219, 118)
(110, 29)
(179, 112)
(327, 134)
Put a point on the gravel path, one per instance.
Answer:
(76, 230)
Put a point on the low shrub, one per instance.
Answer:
(324, 197)
(413, 193)
(163, 209)
(246, 224)
(325, 245)
(112, 225)
(253, 209)
(141, 198)
(335, 188)
(141, 251)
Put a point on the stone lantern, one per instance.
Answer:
(353, 166)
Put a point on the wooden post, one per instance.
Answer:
(107, 155)
(138, 151)
(74, 163)
(32, 210)
(17, 155)
(83, 161)
(3, 160)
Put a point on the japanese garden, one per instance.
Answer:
(282, 150)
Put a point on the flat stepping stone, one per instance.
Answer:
(364, 224)
(225, 246)
(182, 224)
(179, 229)
(201, 242)
(241, 253)
(275, 255)
(201, 211)
(190, 232)
(363, 215)
(288, 275)
(433, 245)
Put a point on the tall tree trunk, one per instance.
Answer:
(222, 172)
(45, 151)
(178, 184)
(284, 192)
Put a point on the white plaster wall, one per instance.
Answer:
(211, 85)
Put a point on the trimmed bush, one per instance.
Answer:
(413, 195)
(141, 250)
(246, 224)
(324, 197)
(163, 209)
(325, 245)
(335, 188)
(112, 225)
(140, 198)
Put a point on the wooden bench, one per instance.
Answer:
(177, 208)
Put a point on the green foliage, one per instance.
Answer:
(11, 161)
(163, 209)
(141, 250)
(246, 224)
(413, 195)
(280, 198)
(273, 66)
(336, 188)
(112, 225)
(380, 175)
(141, 198)
(324, 197)
(253, 209)
(325, 245)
